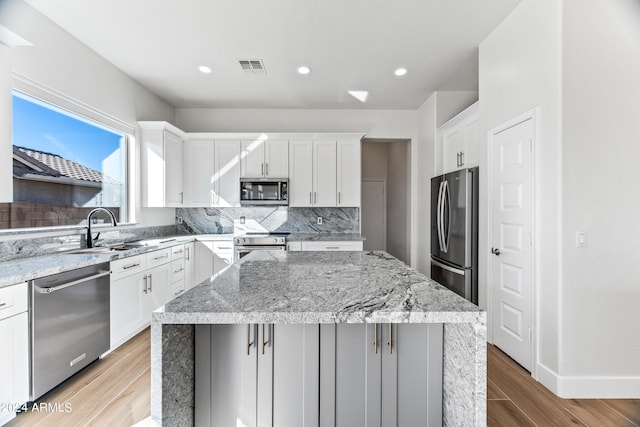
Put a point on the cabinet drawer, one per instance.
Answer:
(160, 257)
(332, 246)
(127, 266)
(177, 270)
(13, 300)
(177, 252)
(223, 246)
(177, 288)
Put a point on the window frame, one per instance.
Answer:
(63, 104)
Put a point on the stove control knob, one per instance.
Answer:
(275, 240)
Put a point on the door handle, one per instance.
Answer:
(375, 338)
(495, 251)
(390, 342)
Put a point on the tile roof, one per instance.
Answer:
(54, 165)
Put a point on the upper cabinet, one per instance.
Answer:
(324, 173)
(460, 140)
(212, 173)
(265, 159)
(161, 155)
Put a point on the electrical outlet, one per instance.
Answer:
(242, 219)
(319, 221)
(179, 220)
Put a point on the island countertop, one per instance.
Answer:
(319, 287)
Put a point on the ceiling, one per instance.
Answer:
(349, 45)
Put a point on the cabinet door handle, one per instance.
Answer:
(375, 338)
(188, 255)
(390, 343)
(339, 202)
(150, 283)
(332, 248)
(126, 267)
(310, 199)
(266, 169)
(261, 168)
(161, 257)
(462, 158)
(145, 284)
(3, 304)
(249, 343)
(263, 341)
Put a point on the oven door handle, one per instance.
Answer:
(52, 289)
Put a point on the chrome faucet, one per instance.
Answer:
(113, 222)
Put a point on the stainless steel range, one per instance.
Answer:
(259, 242)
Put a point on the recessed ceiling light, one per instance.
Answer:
(360, 95)
(204, 69)
(304, 70)
(400, 72)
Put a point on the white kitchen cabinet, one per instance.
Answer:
(14, 357)
(139, 285)
(161, 160)
(257, 375)
(349, 177)
(177, 271)
(300, 173)
(460, 140)
(199, 170)
(189, 266)
(127, 290)
(212, 257)
(387, 375)
(226, 177)
(354, 245)
(265, 159)
(324, 173)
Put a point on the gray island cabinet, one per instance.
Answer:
(318, 339)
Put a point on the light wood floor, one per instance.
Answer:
(115, 392)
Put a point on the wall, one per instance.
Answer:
(520, 66)
(59, 64)
(600, 302)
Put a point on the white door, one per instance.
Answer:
(374, 224)
(512, 250)
(349, 176)
(300, 173)
(324, 173)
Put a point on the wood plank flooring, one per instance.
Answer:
(115, 391)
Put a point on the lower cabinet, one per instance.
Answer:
(330, 375)
(14, 357)
(257, 375)
(386, 375)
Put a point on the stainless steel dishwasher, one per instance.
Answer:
(69, 324)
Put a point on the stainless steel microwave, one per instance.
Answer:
(264, 191)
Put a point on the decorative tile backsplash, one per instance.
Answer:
(273, 219)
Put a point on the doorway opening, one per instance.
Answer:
(386, 189)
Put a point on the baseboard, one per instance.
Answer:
(578, 387)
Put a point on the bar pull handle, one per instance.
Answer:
(52, 289)
(188, 253)
(375, 338)
(263, 340)
(261, 168)
(390, 342)
(126, 267)
(310, 199)
(145, 284)
(249, 343)
(150, 282)
(339, 201)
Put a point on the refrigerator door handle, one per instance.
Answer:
(439, 217)
(446, 209)
(448, 268)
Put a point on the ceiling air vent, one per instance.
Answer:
(252, 66)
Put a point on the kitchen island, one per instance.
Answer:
(326, 289)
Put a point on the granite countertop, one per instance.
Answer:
(324, 237)
(22, 270)
(312, 287)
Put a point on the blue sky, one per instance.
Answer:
(44, 129)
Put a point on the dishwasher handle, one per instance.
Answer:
(52, 289)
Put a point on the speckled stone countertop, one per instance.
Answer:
(324, 237)
(319, 287)
(22, 270)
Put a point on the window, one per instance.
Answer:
(64, 165)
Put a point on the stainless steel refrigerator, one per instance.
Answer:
(454, 232)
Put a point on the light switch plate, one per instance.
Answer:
(319, 221)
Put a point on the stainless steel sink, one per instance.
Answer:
(106, 249)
